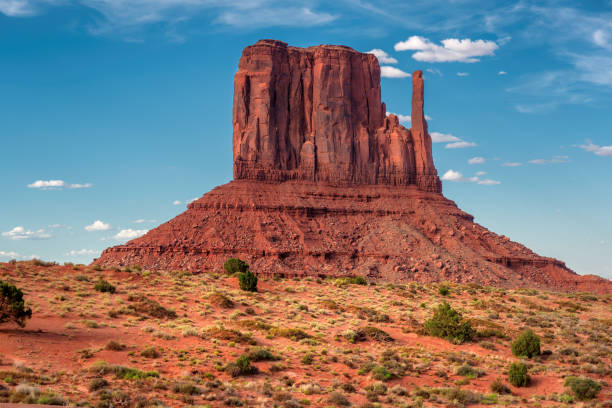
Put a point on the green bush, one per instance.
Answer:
(104, 286)
(526, 345)
(234, 265)
(447, 323)
(582, 388)
(499, 387)
(242, 366)
(517, 375)
(247, 281)
(444, 290)
(12, 305)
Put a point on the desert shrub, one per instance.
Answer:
(448, 324)
(261, 354)
(374, 333)
(104, 286)
(150, 307)
(247, 281)
(290, 333)
(350, 280)
(517, 375)
(234, 265)
(372, 315)
(12, 305)
(186, 388)
(336, 398)
(150, 352)
(96, 267)
(114, 346)
(583, 388)
(444, 290)
(381, 373)
(469, 371)
(242, 366)
(221, 300)
(499, 387)
(126, 373)
(221, 333)
(97, 384)
(38, 262)
(526, 345)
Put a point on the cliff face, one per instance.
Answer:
(315, 114)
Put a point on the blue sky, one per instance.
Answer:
(115, 114)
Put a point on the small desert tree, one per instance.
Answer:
(526, 345)
(448, 324)
(247, 281)
(12, 306)
(234, 265)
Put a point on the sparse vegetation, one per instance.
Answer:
(12, 305)
(582, 388)
(526, 345)
(448, 324)
(242, 366)
(104, 286)
(517, 375)
(234, 265)
(247, 281)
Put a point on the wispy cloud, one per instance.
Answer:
(460, 145)
(56, 184)
(477, 160)
(451, 50)
(502, 73)
(20, 233)
(452, 175)
(512, 164)
(98, 226)
(8, 254)
(462, 74)
(144, 221)
(392, 72)
(129, 234)
(597, 149)
(437, 137)
(554, 160)
(406, 119)
(382, 56)
(82, 252)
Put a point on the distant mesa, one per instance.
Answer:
(325, 184)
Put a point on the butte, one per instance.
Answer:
(326, 184)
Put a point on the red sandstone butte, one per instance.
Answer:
(325, 184)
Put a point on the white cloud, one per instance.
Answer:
(555, 159)
(9, 254)
(129, 233)
(17, 8)
(512, 164)
(56, 184)
(452, 175)
(276, 16)
(598, 150)
(451, 50)
(462, 74)
(143, 221)
(176, 202)
(434, 71)
(477, 160)
(83, 251)
(460, 145)
(98, 226)
(481, 173)
(77, 186)
(47, 184)
(502, 73)
(19, 232)
(382, 56)
(191, 201)
(437, 137)
(392, 72)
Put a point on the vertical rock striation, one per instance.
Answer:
(315, 114)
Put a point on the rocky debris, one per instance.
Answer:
(327, 185)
